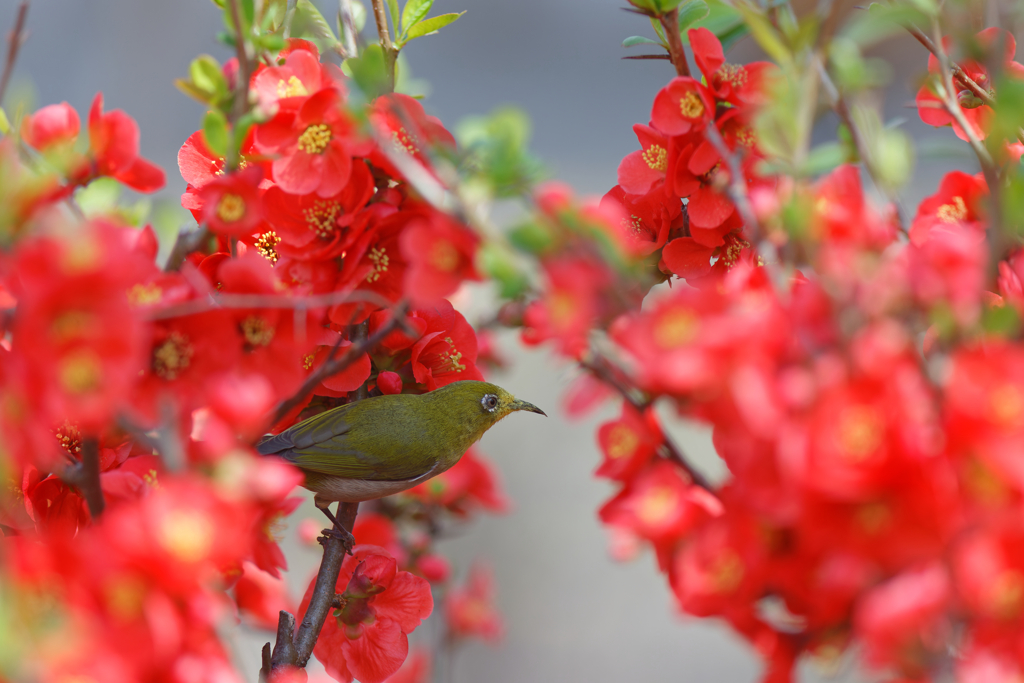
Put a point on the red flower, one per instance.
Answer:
(470, 484)
(681, 106)
(417, 668)
(628, 443)
(114, 146)
(446, 352)
(313, 227)
(313, 145)
(734, 83)
(960, 199)
(440, 255)
(51, 126)
(570, 306)
(75, 328)
(902, 620)
(403, 124)
(261, 597)
(641, 170)
(367, 637)
(648, 217)
(661, 505)
(470, 609)
(930, 106)
(289, 85)
(231, 204)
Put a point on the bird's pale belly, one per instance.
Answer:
(329, 488)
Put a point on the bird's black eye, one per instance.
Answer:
(489, 402)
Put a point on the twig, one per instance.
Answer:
(188, 240)
(737, 186)
(332, 367)
(218, 301)
(348, 29)
(284, 646)
(604, 371)
(85, 476)
(266, 663)
(15, 39)
(842, 110)
(670, 22)
(390, 51)
(647, 57)
(958, 71)
(241, 102)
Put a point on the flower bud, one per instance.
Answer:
(389, 383)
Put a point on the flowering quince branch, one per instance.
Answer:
(85, 476)
(670, 22)
(390, 51)
(981, 93)
(15, 39)
(332, 367)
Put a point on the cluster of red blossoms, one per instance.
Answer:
(868, 403)
(315, 241)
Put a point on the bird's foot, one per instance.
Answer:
(346, 538)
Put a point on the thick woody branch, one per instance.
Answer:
(670, 22)
(296, 651)
(15, 39)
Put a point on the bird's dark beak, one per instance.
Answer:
(523, 405)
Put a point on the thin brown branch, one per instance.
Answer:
(346, 19)
(241, 102)
(15, 39)
(390, 51)
(234, 301)
(613, 377)
(85, 476)
(670, 22)
(186, 242)
(665, 57)
(284, 647)
(332, 367)
(737, 186)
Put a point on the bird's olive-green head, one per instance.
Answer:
(481, 404)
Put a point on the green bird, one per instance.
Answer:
(386, 444)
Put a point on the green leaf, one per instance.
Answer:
(659, 30)
(5, 124)
(358, 15)
(367, 70)
(638, 40)
(765, 34)
(499, 264)
(413, 12)
(215, 132)
(722, 20)
(432, 25)
(824, 158)
(99, 197)
(205, 74)
(1002, 321)
(310, 24)
(532, 238)
(691, 13)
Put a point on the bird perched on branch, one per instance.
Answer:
(382, 445)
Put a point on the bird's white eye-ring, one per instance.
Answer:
(489, 402)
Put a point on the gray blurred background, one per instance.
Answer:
(571, 612)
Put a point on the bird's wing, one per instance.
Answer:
(320, 427)
(375, 449)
